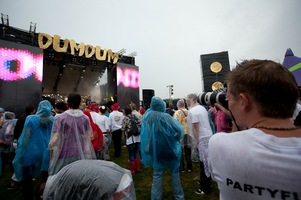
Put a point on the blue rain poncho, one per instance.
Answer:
(32, 150)
(160, 137)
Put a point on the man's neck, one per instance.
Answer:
(277, 127)
(194, 104)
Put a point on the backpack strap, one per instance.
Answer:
(183, 112)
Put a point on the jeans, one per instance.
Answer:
(156, 192)
(133, 151)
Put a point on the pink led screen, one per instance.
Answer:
(21, 74)
(127, 84)
(128, 77)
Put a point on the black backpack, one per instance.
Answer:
(135, 125)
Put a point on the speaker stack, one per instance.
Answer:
(214, 67)
(147, 96)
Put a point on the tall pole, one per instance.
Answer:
(170, 91)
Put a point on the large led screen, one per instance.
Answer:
(21, 74)
(127, 84)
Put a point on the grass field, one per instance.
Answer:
(142, 182)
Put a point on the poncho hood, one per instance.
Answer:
(44, 109)
(74, 112)
(157, 104)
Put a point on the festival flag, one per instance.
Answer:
(293, 64)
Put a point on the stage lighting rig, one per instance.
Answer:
(133, 54)
(170, 90)
(121, 51)
(32, 28)
(4, 19)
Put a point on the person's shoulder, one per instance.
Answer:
(61, 115)
(57, 115)
(136, 113)
(233, 136)
(195, 108)
(221, 136)
(30, 117)
(177, 112)
(104, 117)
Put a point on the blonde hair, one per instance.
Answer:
(181, 103)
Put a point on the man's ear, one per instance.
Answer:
(244, 101)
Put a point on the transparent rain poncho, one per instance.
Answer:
(70, 140)
(91, 180)
(7, 130)
(33, 143)
(160, 137)
(7, 135)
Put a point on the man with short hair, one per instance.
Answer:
(60, 107)
(200, 130)
(263, 160)
(95, 115)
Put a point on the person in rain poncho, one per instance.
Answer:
(160, 147)
(90, 179)
(6, 138)
(70, 137)
(32, 156)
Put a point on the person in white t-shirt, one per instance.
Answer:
(103, 123)
(115, 124)
(262, 161)
(93, 109)
(200, 130)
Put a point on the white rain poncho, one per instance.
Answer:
(70, 140)
(90, 179)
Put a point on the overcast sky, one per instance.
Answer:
(169, 36)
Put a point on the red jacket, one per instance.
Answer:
(97, 137)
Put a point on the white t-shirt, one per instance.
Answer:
(115, 120)
(253, 165)
(95, 116)
(198, 114)
(103, 122)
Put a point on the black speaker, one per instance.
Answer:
(214, 68)
(147, 97)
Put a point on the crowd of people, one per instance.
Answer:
(42, 143)
(251, 148)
